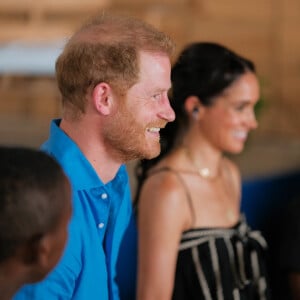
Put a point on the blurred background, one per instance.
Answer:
(32, 34)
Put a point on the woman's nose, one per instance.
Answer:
(252, 121)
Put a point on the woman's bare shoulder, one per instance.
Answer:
(163, 195)
(163, 182)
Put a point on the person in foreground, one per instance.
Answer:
(114, 77)
(35, 208)
(193, 241)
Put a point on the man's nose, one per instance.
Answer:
(167, 112)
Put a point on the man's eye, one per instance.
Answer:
(157, 96)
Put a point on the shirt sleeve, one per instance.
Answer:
(60, 282)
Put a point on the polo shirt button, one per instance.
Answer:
(104, 196)
(100, 225)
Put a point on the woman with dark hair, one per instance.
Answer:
(193, 241)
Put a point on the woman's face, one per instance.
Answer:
(228, 121)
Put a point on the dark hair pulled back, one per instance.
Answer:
(203, 70)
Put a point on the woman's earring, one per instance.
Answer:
(195, 113)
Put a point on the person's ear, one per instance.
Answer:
(102, 97)
(28, 252)
(35, 256)
(193, 107)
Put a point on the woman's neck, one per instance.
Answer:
(203, 158)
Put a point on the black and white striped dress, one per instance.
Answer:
(221, 264)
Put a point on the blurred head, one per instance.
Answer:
(215, 90)
(35, 207)
(106, 49)
(216, 87)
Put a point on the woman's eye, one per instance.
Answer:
(240, 107)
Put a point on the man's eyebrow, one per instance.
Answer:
(161, 90)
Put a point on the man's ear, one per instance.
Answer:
(103, 98)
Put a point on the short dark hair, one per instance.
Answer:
(33, 193)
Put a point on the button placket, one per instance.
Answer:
(103, 196)
(101, 225)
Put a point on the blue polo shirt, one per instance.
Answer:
(101, 213)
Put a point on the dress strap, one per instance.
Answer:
(181, 180)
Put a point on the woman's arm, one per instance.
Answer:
(162, 216)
